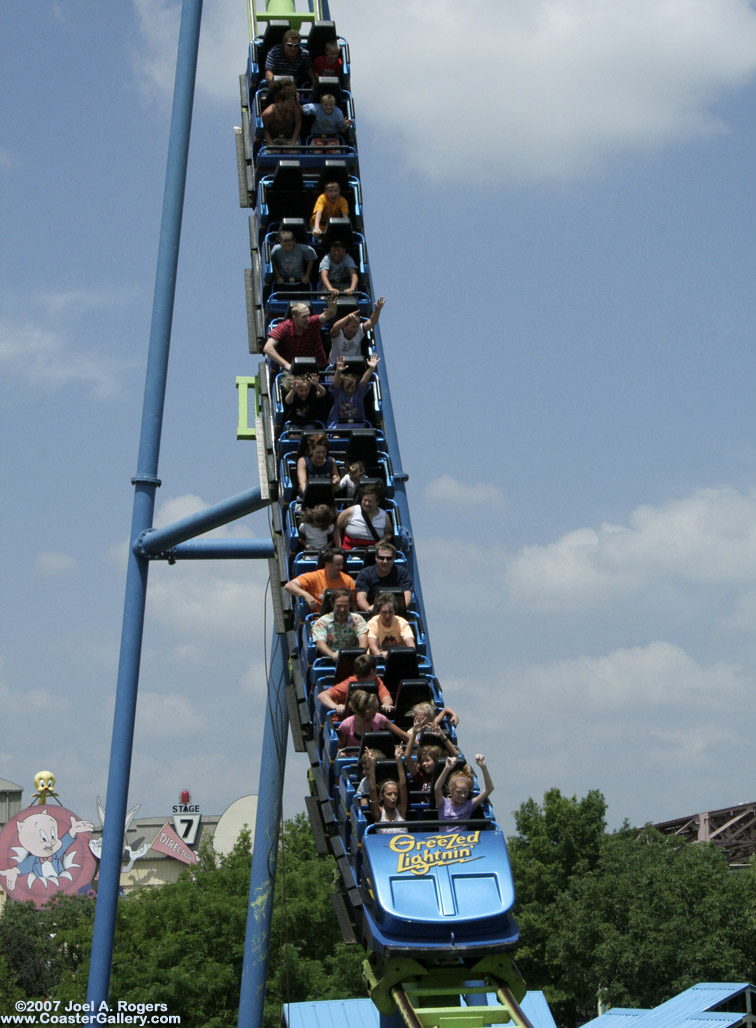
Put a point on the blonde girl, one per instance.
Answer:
(422, 768)
(460, 804)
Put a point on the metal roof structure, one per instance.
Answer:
(362, 1013)
(332, 1013)
(725, 1004)
(10, 800)
(732, 828)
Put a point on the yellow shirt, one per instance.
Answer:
(339, 208)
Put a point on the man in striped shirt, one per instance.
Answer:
(289, 58)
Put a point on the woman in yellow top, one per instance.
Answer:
(386, 629)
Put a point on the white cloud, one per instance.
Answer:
(222, 52)
(204, 604)
(450, 491)
(77, 301)
(176, 508)
(657, 676)
(25, 703)
(209, 603)
(546, 89)
(160, 773)
(707, 538)
(118, 555)
(189, 653)
(7, 159)
(155, 61)
(254, 680)
(475, 569)
(51, 563)
(743, 616)
(168, 716)
(530, 90)
(50, 359)
(650, 726)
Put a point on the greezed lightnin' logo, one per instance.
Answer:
(419, 855)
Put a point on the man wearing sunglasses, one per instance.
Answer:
(290, 58)
(384, 574)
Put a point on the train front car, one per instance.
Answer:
(441, 893)
(430, 901)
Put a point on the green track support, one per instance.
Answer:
(245, 384)
(440, 997)
(284, 10)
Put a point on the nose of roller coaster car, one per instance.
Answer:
(442, 888)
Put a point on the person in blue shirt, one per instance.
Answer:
(292, 261)
(349, 392)
(338, 272)
(329, 119)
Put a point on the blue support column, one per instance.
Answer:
(265, 846)
(155, 541)
(221, 549)
(146, 483)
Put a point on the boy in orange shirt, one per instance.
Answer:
(330, 204)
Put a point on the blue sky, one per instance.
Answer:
(560, 212)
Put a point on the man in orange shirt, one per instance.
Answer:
(312, 584)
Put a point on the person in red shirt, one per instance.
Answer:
(299, 335)
(330, 64)
(364, 672)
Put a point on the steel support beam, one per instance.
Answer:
(265, 847)
(220, 549)
(146, 483)
(156, 540)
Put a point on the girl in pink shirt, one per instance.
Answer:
(365, 719)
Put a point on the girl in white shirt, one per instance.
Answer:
(388, 804)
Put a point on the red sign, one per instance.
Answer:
(44, 850)
(168, 842)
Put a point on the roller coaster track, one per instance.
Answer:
(438, 934)
(428, 988)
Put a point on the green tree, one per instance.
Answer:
(39, 947)
(9, 988)
(27, 948)
(655, 916)
(183, 944)
(557, 841)
(636, 917)
(308, 957)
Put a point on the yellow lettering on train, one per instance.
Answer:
(419, 855)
